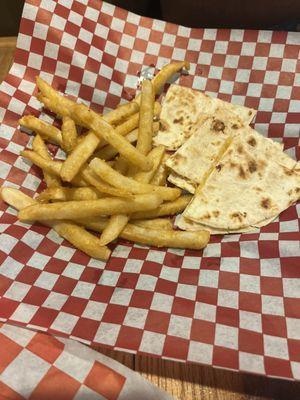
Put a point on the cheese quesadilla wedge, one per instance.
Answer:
(253, 182)
(196, 158)
(186, 224)
(183, 183)
(181, 109)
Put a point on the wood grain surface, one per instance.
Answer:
(187, 381)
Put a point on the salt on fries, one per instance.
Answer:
(112, 180)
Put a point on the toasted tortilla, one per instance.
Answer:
(181, 109)
(254, 181)
(195, 159)
(185, 224)
(183, 183)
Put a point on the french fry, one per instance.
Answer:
(113, 228)
(62, 106)
(127, 126)
(108, 152)
(67, 194)
(90, 119)
(145, 133)
(156, 237)
(53, 167)
(69, 134)
(79, 156)
(50, 166)
(155, 223)
(116, 222)
(161, 174)
(118, 180)
(89, 177)
(89, 208)
(75, 234)
(82, 240)
(168, 208)
(166, 73)
(156, 156)
(40, 148)
(121, 165)
(48, 132)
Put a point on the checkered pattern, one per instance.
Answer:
(234, 305)
(33, 365)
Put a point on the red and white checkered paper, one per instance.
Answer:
(39, 366)
(236, 304)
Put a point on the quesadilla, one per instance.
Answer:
(181, 109)
(186, 224)
(195, 159)
(253, 182)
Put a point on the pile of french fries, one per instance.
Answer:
(113, 181)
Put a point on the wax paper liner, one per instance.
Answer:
(34, 365)
(234, 305)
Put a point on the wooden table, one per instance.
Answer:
(187, 381)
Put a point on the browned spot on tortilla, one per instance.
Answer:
(206, 216)
(252, 142)
(216, 213)
(217, 125)
(252, 166)
(163, 126)
(187, 134)
(237, 215)
(235, 126)
(230, 151)
(258, 189)
(177, 120)
(249, 112)
(232, 164)
(297, 190)
(240, 149)
(178, 158)
(242, 173)
(219, 167)
(266, 203)
(290, 192)
(288, 172)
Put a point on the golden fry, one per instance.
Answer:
(166, 73)
(168, 208)
(40, 148)
(75, 234)
(108, 152)
(145, 134)
(93, 180)
(67, 194)
(89, 208)
(156, 237)
(113, 228)
(79, 156)
(69, 134)
(118, 180)
(161, 174)
(86, 117)
(82, 240)
(47, 131)
(155, 156)
(155, 223)
(53, 167)
(121, 165)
